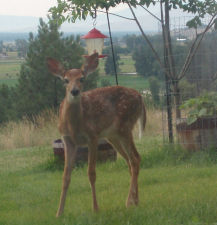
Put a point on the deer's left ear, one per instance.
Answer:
(91, 64)
(55, 67)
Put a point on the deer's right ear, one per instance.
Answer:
(55, 67)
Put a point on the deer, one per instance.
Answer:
(108, 113)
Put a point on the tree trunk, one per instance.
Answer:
(167, 78)
(177, 98)
(170, 60)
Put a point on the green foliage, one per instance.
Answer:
(7, 98)
(109, 63)
(91, 81)
(132, 81)
(145, 61)
(37, 89)
(175, 188)
(105, 83)
(72, 10)
(1, 46)
(154, 85)
(202, 106)
(187, 89)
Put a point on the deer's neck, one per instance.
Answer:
(71, 117)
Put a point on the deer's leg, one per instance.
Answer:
(134, 159)
(92, 155)
(119, 148)
(70, 151)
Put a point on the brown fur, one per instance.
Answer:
(110, 113)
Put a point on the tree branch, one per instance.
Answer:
(123, 17)
(151, 14)
(194, 48)
(146, 38)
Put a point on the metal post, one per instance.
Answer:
(113, 55)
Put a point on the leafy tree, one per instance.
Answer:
(145, 62)
(154, 85)
(1, 46)
(79, 9)
(109, 62)
(37, 89)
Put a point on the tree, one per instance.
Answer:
(155, 89)
(145, 61)
(109, 62)
(37, 89)
(79, 9)
(6, 102)
(1, 46)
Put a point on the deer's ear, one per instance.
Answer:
(91, 64)
(55, 67)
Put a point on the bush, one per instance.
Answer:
(105, 83)
(155, 89)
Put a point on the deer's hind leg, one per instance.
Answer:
(134, 160)
(115, 142)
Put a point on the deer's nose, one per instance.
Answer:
(75, 92)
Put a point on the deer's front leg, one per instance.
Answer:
(70, 151)
(92, 155)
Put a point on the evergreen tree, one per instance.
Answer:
(109, 63)
(37, 89)
(6, 109)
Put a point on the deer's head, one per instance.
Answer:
(73, 78)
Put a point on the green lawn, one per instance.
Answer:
(133, 81)
(126, 64)
(172, 192)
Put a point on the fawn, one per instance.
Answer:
(103, 113)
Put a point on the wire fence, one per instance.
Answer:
(196, 128)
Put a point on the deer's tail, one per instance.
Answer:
(142, 119)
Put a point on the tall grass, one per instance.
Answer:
(40, 131)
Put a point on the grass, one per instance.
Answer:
(133, 81)
(176, 187)
(29, 133)
(126, 64)
(170, 194)
(9, 69)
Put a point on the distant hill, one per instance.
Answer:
(26, 24)
(19, 27)
(10, 37)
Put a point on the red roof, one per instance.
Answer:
(94, 33)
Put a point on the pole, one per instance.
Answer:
(113, 55)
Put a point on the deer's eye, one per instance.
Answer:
(66, 81)
(82, 79)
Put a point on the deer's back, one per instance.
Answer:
(111, 106)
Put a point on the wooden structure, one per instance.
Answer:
(201, 134)
(105, 152)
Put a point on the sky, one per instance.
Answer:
(38, 8)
